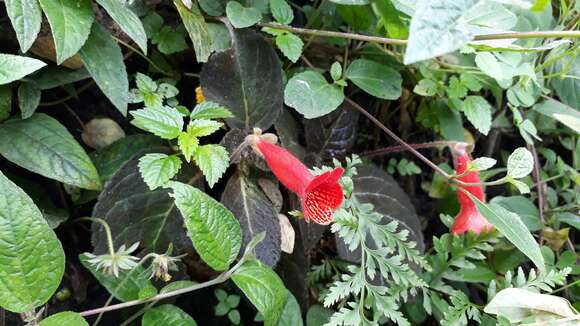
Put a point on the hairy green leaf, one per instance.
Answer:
(104, 60)
(70, 22)
(163, 121)
(213, 161)
(281, 11)
(157, 169)
(376, 79)
(44, 146)
(213, 229)
(478, 112)
(290, 45)
(311, 95)
(14, 67)
(520, 163)
(32, 257)
(25, 16)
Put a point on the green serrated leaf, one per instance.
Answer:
(482, 164)
(127, 20)
(25, 16)
(196, 28)
(203, 127)
(170, 40)
(240, 16)
(520, 163)
(163, 121)
(376, 79)
(167, 315)
(28, 99)
(67, 318)
(310, 94)
(104, 60)
(263, 288)
(44, 146)
(213, 161)
(512, 227)
(210, 110)
(187, 144)
(213, 229)
(14, 67)
(157, 169)
(127, 286)
(290, 45)
(32, 257)
(281, 11)
(478, 112)
(70, 23)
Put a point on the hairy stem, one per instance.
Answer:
(107, 231)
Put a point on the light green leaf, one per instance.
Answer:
(157, 169)
(425, 87)
(522, 206)
(210, 110)
(196, 28)
(203, 127)
(336, 71)
(25, 16)
(310, 94)
(220, 37)
(213, 161)
(127, 20)
(478, 112)
(511, 226)
(28, 99)
(376, 79)
(437, 29)
(281, 11)
(104, 60)
(290, 45)
(167, 315)
(523, 188)
(32, 257)
(65, 318)
(70, 22)
(482, 164)
(163, 121)
(351, 2)
(127, 286)
(187, 144)
(44, 146)
(560, 112)
(390, 16)
(14, 67)
(518, 304)
(240, 16)
(520, 163)
(263, 288)
(291, 315)
(490, 14)
(489, 46)
(213, 229)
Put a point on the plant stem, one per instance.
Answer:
(400, 148)
(384, 40)
(565, 287)
(107, 231)
(134, 50)
(220, 279)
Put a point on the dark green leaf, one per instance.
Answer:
(44, 146)
(357, 17)
(263, 288)
(70, 22)
(28, 99)
(560, 112)
(256, 214)
(568, 87)
(67, 318)
(127, 20)
(167, 315)
(522, 206)
(376, 79)
(310, 94)
(291, 315)
(5, 102)
(32, 257)
(252, 92)
(104, 60)
(14, 67)
(213, 7)
(392, 21)
(197, 30)
(214, 231)
(25, 16)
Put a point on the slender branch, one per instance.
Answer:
(220, 279)
(394, 41)
(401, 148)
(536, 175)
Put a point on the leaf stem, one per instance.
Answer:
(107, 228)
(394, 41)
(220, 279)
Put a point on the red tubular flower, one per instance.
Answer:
(469, 218)
(319, 195)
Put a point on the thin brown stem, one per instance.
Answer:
(536, 175)
(401, 148)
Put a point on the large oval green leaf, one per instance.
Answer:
(14, 67)
(25, 16)
(167, 315)
(127, 20)
(65, 318)
(70, 22)
(375, 78)
(213, 229)
(44, 146)
(310, 94)
(31, 256)
(263, 288)
(104, 61)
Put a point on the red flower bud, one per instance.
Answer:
(319, 195)
(469, 218)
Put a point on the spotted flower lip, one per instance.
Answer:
(319, 195)
(469, 218)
